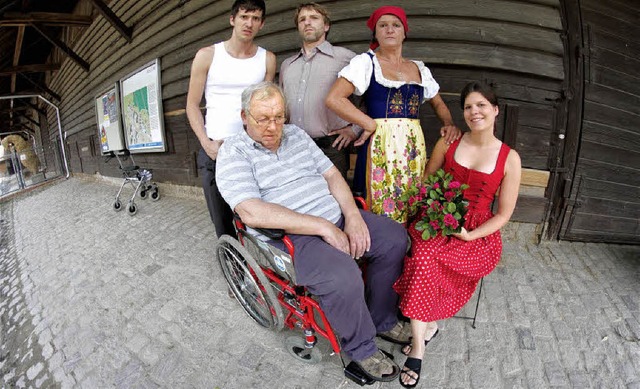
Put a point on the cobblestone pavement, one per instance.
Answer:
(93, 298)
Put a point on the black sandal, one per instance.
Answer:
(408, 347)
(411, 365)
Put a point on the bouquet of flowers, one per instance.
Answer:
(441, 198)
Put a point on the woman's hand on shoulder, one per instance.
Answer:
(450, 133)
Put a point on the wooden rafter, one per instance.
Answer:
(15, 19)
(41, 87)
(9, 110)
(61, 45)
(112, 18)
(16, 55)
(22, 114)
(35, 68)
(32, 106)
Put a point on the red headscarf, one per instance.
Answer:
(386, 10)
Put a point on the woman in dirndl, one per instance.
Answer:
(392, 155)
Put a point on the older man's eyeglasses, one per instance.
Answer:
(264, 122)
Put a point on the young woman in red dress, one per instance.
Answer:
(442, 273)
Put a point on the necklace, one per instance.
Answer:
(399, 74)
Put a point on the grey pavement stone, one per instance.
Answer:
(157, 315)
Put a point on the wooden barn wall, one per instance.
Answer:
(515, 45)
(606, 191)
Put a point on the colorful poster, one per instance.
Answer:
(109, 129)
(142, 109)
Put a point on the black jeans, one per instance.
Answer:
(221, 214)
(340, 158)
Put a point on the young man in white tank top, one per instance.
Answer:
(221, 72)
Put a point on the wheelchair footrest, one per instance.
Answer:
(355, 374)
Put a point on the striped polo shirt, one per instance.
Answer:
(292, 177)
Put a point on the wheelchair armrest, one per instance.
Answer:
(271, 233)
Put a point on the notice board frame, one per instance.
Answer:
(141, 109)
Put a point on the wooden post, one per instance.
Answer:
(562, 177)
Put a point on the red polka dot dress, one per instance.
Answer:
(442, 273)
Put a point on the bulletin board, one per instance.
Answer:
(108, 119)
(142, 116)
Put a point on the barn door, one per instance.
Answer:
(603, 203)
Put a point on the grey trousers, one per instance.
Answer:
(354, 311)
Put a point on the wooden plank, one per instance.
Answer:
(113, 19)
(430, 27)
(533, 146)
(33, 68)
(536, 116)
(608, 172)
(609, 96)
(615, 61)
(621, 157)
(534, 177)
(621, 45)
(607, 190)
(604, 224)
(598, 113)
(507, 11)
(602, 237)
(529, 209)
(615, 79)
(623, 13)
(46, 18)
(603, 134)
(612, 207)
(604, 22)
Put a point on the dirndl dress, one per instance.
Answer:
(394, 157)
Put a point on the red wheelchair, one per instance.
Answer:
(262, 278)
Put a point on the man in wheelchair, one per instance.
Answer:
(274, 176)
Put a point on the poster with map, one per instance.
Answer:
(142, 109)
(108, 119)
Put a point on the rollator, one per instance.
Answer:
(139, 179)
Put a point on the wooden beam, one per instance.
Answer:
(112, 18)
(41, 87)
(28, 118)
(9, 110)
(34, 68)
(62, 46)
(16, 55)
(16, 19)
(28, 104)
(532, 177)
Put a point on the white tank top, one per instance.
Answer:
(226, 79)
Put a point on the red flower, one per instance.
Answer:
(454, 185)
(434, 224)
(436, 185)
(449, 195)
(449, 220)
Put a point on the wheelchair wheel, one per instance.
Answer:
(249, 284)
(295, 347)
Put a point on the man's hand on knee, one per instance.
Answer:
(336, 238)
(359, 238)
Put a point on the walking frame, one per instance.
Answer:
(139, 179)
